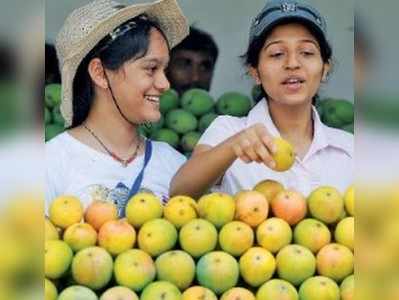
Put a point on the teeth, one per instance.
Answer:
(293, 81)
(152, 98)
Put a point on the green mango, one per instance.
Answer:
(197, 101)
(233, 104)
(57, 116)
(169, 100)
(206, 120)
(52, 95)
(349, 128)
(337, 112)
(181, 121)
(189, 140)
(166, 135)
(47, 116)
(52, 130)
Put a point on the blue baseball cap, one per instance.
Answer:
(279, 11)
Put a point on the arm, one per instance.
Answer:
(208, 164)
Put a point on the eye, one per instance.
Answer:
(183, 63)
(276, 54)
(206, 66)
(150, 69)
(307, 53)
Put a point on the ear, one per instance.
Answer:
(326, 71)
(96, 72)
(254, 74)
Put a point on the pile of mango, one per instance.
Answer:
(185, 118)
(261, 244)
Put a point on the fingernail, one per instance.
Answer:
(272, 165)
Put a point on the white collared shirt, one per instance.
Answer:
(329, 160)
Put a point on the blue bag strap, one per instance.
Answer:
(139, 179)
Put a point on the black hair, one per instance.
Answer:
(52, 72)
(251, 56)
(199, 40)
(132, 44)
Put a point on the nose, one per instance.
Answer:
(292, 62)
(195, 74)
(162, 83)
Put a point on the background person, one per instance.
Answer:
(192, 62)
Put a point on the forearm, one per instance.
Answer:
(203, 170)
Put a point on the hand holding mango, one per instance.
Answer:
(256, 144)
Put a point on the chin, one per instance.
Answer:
(154, 117)
(294, 100)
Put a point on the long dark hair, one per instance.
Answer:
(113, 53)
(251, 57)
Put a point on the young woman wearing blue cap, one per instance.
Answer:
(289, 55)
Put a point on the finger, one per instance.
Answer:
(266, 138)
(264, 154)
(257, 145)
(245, 159)
(240, 154)
(238, 150)
(248, 150)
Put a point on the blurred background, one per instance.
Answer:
(377, 144)
(228, 21)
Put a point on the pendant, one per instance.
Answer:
(125, 163)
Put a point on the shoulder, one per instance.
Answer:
(57, 145)
(229, 123)
(222, 128)
(340, 139)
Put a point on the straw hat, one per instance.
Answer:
(88, 25)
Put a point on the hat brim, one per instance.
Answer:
(291, 19)
(166, 13)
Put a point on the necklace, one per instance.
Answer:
(124, 162)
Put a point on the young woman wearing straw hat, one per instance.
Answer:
(289, 55)
(112, 59)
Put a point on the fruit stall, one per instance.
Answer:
(268, 243)
(265, 243)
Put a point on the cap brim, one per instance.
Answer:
(288, 19)
(166, 13)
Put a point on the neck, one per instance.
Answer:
(294, 123)
(105, 120)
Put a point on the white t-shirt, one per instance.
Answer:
(329, 160)
(73, 168)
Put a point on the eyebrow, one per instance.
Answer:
(155, 60)
(302, 41)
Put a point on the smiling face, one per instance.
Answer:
(138, 84)
(290, 66)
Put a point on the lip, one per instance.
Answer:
(298, 78)
(148, 98)
(294, 86)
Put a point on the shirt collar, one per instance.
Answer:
(260, 114)
(323, 135)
